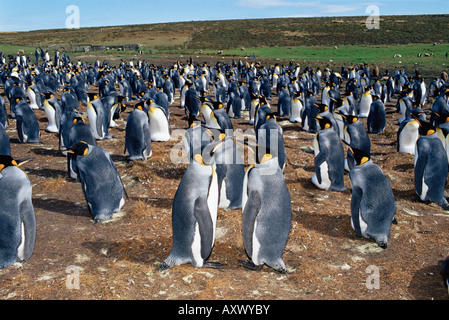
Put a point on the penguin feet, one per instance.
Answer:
(445, 206)
(250, 265)
(163, 267)
(382, 245)
(213, 265)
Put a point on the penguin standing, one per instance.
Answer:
(79, 131)
(365, 103)
(3, 113)
(431, 166)
(27, 125)
(329, 158)
(194, 217)
(266, 216)
(220, 116)
(309, 114)
(356, 136)
(207, 109)
(5, 145)
(100, 180)
(159, 123)
(377, 118)
(96, 116)
(253, 107)
(284, 103)
(234, 105)
(138, 135)
(53, 111)
(17, 217)
(34, 95)
(230, 173)
(442, 130)
(297, 108)
(270, 139)
(408, 135)
(373, 206)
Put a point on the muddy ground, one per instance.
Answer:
(117, 260)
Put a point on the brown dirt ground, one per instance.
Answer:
(118, 260)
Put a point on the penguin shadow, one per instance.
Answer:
(17, 141)
(47, 152)
(427, 283)
(120, 158)
(329, 225)
(141, 250)
(48, 173)
(62, 207)
(407, 195)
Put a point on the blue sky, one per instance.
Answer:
(36, 15)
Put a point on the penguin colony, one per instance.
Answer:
(325, 103)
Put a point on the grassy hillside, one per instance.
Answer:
(248, 33)
(301, 39)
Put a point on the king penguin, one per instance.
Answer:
(329, 158)
(309, 114)
(194, 217)
(365, 103)
(138, 135)
(17, 217)
(159, 122)
(266, 215)
(79, 131)
(373, 205)
(5, 145)
(431, 166)
(96, 115)
(53, 111)
(100, 180)
(297, 108)
(228, 160)
(377, 118)
(207, 109)
(408, 135)
(27, 125)
(442, 130)
(356, 136)
(270, 140)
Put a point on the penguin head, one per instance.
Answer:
(323, 122)
(8, 161)
(92, 96)
(262, 100)
(48, 95)
(442, 117)
(361, 157)
(140, 105)
(321, 106)
(18, 99)
(198, 158)
(270, 116)
(77, 119)
(426, 128)
(217, 105)
(350, 119)
(79, 149)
